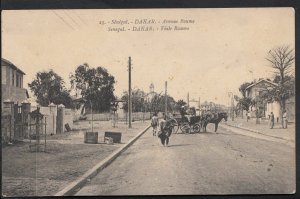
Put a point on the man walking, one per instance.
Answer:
(154, 123)
(271, 120)
(165, 131)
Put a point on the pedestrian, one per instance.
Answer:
(182, 111)
(165, 131)
(257, 116)
(248, 116)
(271, 120)
(154, 123)
(284, 119)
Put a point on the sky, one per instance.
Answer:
(222, 49)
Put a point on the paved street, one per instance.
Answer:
(207, 163)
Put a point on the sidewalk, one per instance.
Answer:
(263, 128)
(26, 173)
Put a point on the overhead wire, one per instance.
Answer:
(80, 18)
(71, 18)
(63, 20)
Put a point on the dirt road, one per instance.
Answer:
(205, 163)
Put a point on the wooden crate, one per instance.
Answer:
(116, 136)
(91, 137)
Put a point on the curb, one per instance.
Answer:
(243, 128)
(74, 186)
(256, 131)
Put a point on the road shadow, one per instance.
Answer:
(207, 133)
(223, 133)
(193, 133)
(176, 145)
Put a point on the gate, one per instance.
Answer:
(18, 123)
(6, 128)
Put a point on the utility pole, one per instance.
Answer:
(199, 107)
(129, 93)
(188, 99)
(166, 99)
(232, 105)
(232, 102)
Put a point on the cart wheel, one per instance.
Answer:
(185, 128)
(196, 128)
(175, 126)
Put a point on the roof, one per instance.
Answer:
(251, 85)
(5, 62)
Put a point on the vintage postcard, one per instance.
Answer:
(148, 102)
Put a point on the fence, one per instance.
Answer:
(137, 116)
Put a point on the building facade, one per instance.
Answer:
(256, 89)
(12, 83)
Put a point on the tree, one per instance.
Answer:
(179, 104)
(243, 87)
(281, 59)
(96, 86)
(138, 103)
(49, 87)
(156, 104)
(244, 102)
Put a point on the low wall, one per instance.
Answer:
(51, 118)
(137, 116)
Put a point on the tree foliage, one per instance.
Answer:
(244, 102)
(179, 104)
(138, 100)
(243, 87)
(154, 104)
(96, 86)
(280, 93)
(49, 87)
(159, 103)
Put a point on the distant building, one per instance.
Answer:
(12, 83)
(256, 89)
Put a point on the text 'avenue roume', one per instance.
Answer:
(146, 25)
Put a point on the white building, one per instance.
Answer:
(255, 89)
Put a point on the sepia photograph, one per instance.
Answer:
(138, 102)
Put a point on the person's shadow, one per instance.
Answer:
(176, 145)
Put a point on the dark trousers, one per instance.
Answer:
(164, 140)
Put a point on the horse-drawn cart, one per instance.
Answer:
(186, 125)
(193, 124)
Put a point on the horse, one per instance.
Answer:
(213, 118)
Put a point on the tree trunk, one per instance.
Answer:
(282, 108)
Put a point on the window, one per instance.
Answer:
(17, 80)
(13, 77)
